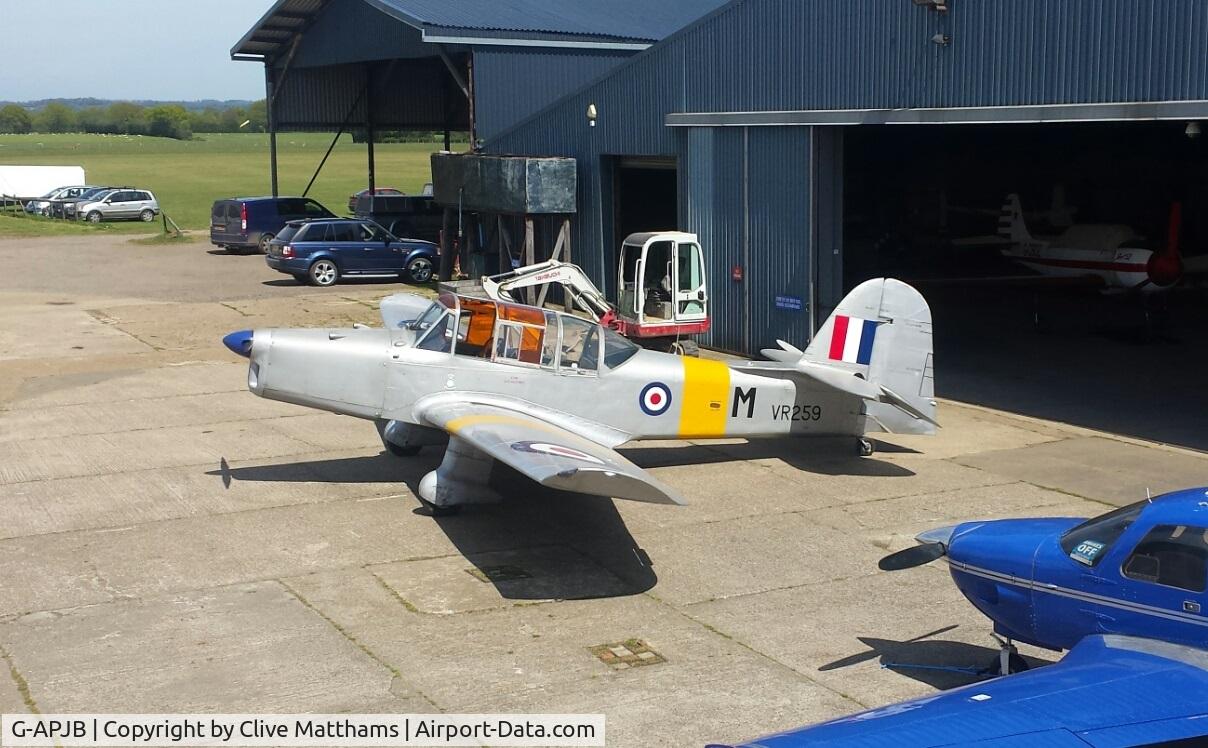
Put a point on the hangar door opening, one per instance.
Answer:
(644, 195)
(1033, 245)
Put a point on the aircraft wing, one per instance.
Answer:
(1108, 691)
(548, 453)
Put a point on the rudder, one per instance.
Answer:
(882, 331)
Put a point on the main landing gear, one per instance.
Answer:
(1008, 661)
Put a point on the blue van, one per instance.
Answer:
(241, 224)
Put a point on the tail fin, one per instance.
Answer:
(1010, 223)
(882, 332)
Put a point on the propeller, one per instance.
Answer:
(932, 545)
(912, 557)
(1165, 268)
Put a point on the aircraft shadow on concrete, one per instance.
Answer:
(822, 456)
(551, 545)
(928, 660)
(537, 544)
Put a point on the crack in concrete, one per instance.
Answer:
(20, 682)
(235, 309)
(410, 606)
(762, 655)
(364, 648)
(113, 322)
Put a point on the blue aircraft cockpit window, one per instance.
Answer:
(617, 349)
(1090, 541)
(1171, 555)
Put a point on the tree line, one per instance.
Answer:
(126, 118)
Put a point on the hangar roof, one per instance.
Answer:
(575, 23)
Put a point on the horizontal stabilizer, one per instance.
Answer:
(787, 352)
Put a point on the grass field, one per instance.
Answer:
(187, 176)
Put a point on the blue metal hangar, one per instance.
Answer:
(811, 144)
(474, 66)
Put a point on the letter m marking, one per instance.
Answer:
(743, 396)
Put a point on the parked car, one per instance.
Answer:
(321, 252)
(65, 207)
(246, 223)
(352, 199)
(41, 206)
(408, 216)
(117, 204)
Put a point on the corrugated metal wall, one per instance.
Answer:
(771, 55)
(511, 83)
(781, 243)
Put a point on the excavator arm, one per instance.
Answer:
(573, 280)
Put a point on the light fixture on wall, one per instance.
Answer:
(936, 5)
(941, 39)
(592, 114)
(1193, 130)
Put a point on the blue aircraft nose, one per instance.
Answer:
(239, 342)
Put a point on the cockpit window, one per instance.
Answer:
(1089, 542)
(1171, 555)
(439, 336)
(580, 345)
(617, 350)
(430, 315)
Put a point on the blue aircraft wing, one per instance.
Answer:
(1109, 691)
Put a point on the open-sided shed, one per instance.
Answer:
(474, 66)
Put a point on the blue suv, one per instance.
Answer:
(321, 252)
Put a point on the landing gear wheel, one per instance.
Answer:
(685, 348)
(398, 451)
(865, 447)
(1008, 660)
(440, 511)
(324, 273)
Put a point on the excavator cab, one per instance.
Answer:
(661, 283)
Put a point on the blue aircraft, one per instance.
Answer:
(1123, 592)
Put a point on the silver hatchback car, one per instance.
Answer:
(120, 203)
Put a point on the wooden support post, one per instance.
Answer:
(558, 246)
(446, 245)
(564, 242)
(471, 257)
(505, 247)
(530, 255)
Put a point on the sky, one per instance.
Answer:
(127, 49)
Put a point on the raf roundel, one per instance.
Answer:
(655, 399)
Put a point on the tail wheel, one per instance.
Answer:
(685, 348)
(865, 447)
(324, 273)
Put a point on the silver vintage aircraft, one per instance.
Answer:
(552, 395)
